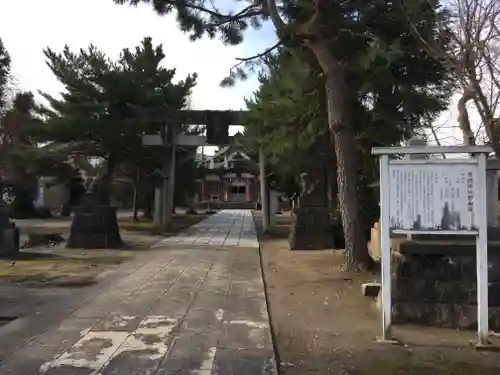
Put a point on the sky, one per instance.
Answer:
(29, 26)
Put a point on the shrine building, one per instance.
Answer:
(231, 178)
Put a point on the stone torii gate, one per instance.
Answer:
(217, 134)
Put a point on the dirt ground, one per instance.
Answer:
(322, 324)
(59, 268)
(62, 225)
(55, 266)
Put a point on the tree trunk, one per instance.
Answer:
(331, 178)
(356, 252)
(463, 117)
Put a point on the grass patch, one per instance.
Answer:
(395, 368)
(63, 268)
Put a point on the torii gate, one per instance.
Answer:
(217, 134)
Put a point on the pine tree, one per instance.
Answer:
(4, 77)
(97, 109)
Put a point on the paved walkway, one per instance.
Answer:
(228, 228)
(182, 312)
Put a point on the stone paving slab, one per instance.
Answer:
(38, 310)
(227, 228)
(198, 312)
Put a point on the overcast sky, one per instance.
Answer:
(29, 26)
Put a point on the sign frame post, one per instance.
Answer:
(385, 248)
(482, 256)
(480, 229)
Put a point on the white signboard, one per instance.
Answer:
(433, 197)
(424, 196)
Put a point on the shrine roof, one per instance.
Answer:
(234, 153)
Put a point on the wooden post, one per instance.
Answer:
(273, 207)
(169, 183)
(157, 208)
(247, 190)
(264, 202)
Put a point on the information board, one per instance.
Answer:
(433, 197)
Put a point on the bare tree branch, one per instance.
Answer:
(275, 17)
(475, 60)
(463, 117)
(265, 53)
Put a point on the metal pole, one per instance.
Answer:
(482, 253)
(263, 191)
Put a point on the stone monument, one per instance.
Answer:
(311, 228)
(95, 225)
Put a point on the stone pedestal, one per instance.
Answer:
(311, 229)
(273, 207)
(9, 235)
(94, 227)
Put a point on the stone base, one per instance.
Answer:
(439, 290)
(311, 229)
(94, 228)
(9, 234)
(445, 315)
(9, 242)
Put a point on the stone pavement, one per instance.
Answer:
(228, 228)
(200, 311)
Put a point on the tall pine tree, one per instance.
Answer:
(97, 106)
(288, 117)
